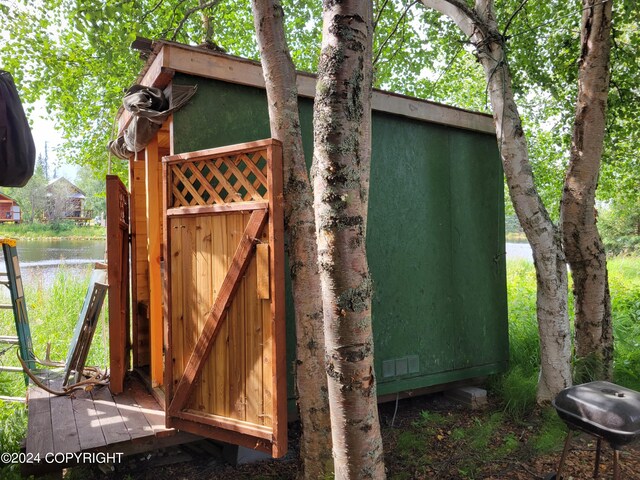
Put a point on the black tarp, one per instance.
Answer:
(17, 150)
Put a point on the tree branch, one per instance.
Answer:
(173, 16)
(375, 22)
(513, 15)
(402, 41)
(190, 12)
(456, 10)
(153, 9)
(395, 29)
(444, 72)
(207, 24)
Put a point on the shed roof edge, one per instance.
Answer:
(170, 57)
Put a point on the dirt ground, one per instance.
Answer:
(429, 437)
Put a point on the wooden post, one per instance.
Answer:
(139, 275)
(154, 238)
(276, 260)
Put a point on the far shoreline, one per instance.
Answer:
(52, 232)
(34, 238)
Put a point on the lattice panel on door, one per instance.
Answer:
(226, 179)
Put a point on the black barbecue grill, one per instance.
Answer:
(602, 409)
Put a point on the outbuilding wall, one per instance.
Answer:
(435, 234)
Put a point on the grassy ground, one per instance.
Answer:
(52, 230)
(429, 438)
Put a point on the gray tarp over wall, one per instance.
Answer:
(149, 108)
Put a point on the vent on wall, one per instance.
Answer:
(397, 367)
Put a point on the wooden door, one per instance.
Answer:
(225, 372)
(118, 278)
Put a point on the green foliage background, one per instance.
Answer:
(75, 55)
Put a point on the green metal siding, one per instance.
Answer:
(435, 234)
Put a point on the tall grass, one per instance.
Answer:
(53, 311)
(518, 386)
(624, 283)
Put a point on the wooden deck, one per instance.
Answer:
(129, 423)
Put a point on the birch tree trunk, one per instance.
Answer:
(206, 23)
(480, 26)
(583, 247)
(282, 94)
(342, 122)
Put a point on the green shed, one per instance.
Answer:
(435, 234)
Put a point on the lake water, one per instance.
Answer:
(54, 252)
(40, 259)
(519, 250)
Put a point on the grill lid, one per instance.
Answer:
(601, 408)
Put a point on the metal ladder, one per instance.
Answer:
(12, 279)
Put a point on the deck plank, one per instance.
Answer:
(151, 410)
(134, 419)
(87, 422)
(63, 423)
(65, 432)
(128, 423)
(39, 430)
(113, 426)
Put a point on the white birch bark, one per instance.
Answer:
(282, 93)
(342, 123)
(582, 243)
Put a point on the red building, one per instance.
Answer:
(9, 209)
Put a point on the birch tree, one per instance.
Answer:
(479, 24)
(282, 93)
(582, 243)
(340, 172)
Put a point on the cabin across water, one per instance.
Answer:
(9, 210)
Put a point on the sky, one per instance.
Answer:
(43, 131)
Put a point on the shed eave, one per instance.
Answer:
(170, 57)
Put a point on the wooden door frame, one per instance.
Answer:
(155, 218)
(139, 276)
